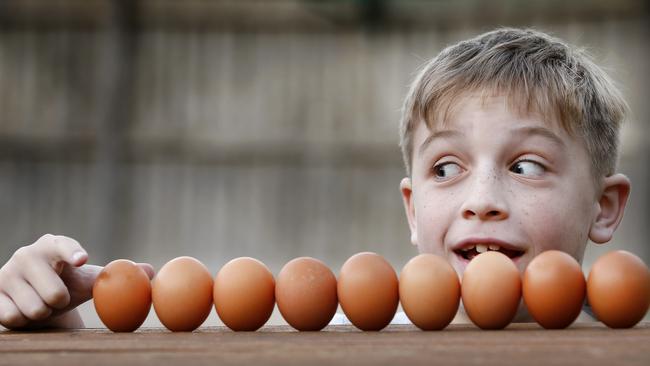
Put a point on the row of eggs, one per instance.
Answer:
(244, 292)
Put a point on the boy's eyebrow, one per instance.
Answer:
(522, 131)
(539, 131)
(437, 135)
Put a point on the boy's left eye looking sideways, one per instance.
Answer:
(528, 168)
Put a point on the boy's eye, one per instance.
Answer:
(446, 170)
(528, 167)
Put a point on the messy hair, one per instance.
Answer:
(536, 73)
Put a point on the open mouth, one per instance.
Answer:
(470, 251)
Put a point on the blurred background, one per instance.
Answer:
(153, 129)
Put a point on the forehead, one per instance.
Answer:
(492, 107)
(514, 108)
(503, 119)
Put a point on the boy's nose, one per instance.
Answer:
(485, 214)
(485, 201)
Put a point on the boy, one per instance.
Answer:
(510, 142)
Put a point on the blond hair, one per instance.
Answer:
(536, 73)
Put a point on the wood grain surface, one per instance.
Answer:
(519, 344)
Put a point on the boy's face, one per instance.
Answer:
(491, 178)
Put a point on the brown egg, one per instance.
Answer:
(182, 294)
(244, 294)
(618, 289)
(122, 296)
(491, 290)
(429, 291)
(368, 291)
(305, 291)
(554, 289)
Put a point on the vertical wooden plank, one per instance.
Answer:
(114, 113)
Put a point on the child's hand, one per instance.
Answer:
(43, 281)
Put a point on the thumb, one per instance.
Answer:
(148, 269)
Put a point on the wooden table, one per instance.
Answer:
(519, 344)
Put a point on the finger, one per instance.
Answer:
(10, 316)
(59, 248)
(79, 282)
(148, 269)
(48, 285)
(27, 300)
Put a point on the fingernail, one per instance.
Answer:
(77, 256)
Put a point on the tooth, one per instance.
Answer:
(481, 248)
(467, 249)
(494, 247)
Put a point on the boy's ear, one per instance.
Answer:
(407, 196)
(610, 208)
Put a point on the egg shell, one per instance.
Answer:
(429, 291)
(182, 294)
(244, 294)
(305, 291)
(618, 289)
(122, 296)
(368, 291)
(491, 290)
(554, 289)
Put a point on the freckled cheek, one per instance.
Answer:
(555, 229)
(433, 216)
